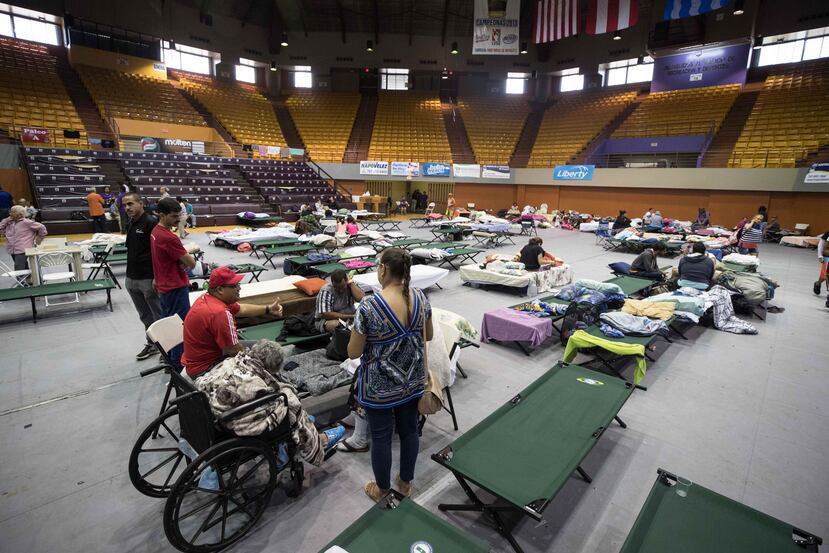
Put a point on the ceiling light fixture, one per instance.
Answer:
(524, 48)
(369, 46)
(617, 36)
(284, 42)
(454, 49)
(273, 66)
(738, 7)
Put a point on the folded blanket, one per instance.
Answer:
(632, 325)
(654, 310)
(740, 259)
(600, 286)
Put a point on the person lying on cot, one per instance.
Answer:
(253, 373)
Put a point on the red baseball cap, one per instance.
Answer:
(222, 276)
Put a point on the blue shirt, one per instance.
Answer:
(5, 200)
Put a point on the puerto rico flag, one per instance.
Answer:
(677, 9)
(555, 19)
(608, 16)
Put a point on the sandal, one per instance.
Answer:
(345, 446)
(373, 491)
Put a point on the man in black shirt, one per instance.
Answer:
(645, 264)
(532, 255)
(140, 266)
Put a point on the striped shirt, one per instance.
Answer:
(330, 300)
(754, 234)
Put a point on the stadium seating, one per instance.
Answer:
(788, 120)
(133, 96)
(324, 121)
(493, 126)
(409, 126)
(680, 112)
(241, 109)
(33, 95)
(572, 122)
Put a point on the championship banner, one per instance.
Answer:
(496, 31)
(697, 68)
(437, 169)
(405, 169)
(35, 134)
(374, 167)
(495, 172)
(466, 170)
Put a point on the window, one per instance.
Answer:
(302, 77)
(29, 25)
(394, 79)
(516, 83)
(186, 58)
(629, 71)
(572, 82)
(245, 72)
(794, 47)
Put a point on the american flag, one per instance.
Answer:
(555, 19)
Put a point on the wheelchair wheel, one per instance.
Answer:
(201, 516)
(156, 461)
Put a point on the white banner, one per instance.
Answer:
(468, 170)
(495, 172)
(405, 169)
(374, 167)
(496, 32)
(198, 147)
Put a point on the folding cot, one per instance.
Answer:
(737, 268)
(399, 524)
(703, 520)
(571, 406)
(260, 221)
(272, 252)
(56, 289)
(380, 224)
(631, 285)
(522, 329)
(271, 330)
(301, 265)
(409, 243)
(446, 234)
(460, 254)
(324, 270)
(255, 271)
(273, 243)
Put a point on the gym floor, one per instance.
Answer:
(744, 415)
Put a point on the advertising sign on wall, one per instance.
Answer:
(573, 172)
(496, 32)
(405, 169)
(150, 144)
(495, 171)
(467, 170)
(704, 67)
(431, 169)
(374, 167)
(35, 134)
(818, 172)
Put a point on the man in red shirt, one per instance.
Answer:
(169, 260)
(210, 327)
(96, 210)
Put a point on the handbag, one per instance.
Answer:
(431, 401)
(337, 348)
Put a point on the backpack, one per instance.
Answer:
(301, 324)
(579, 315)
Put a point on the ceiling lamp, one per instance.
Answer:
(454, 49)
(284, 42)
(617, 36)
(369, 46)
(523, 47)
(738, 7)
(273, 66)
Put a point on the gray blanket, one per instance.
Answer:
(315, 373)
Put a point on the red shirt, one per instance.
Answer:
(210, 326)
(166, 250)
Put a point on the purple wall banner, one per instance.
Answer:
(704, 67)
(653, 144)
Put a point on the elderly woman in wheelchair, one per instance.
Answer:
(217, 452)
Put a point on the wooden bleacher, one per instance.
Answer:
(493, 125)
(324, 121)
(133, 96)
(680, 112)
(241, 109)
(33, 95)
(409, 126)
(572, 122)
(788, 120)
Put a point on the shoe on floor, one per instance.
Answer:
(347, 447)
(816, 288)
(148, 351)
(334, 435)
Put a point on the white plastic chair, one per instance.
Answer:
(430, 208)
(56, 259)
(166, 334)
(470, 206)
(801, 228)
(17, 275)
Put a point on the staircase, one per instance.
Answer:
(286, 123)
(456, 133)
(113, 174)
(606, 133)
(93, 122)
(526, 140)
(234, 146)
(719, 151)
(360, 138)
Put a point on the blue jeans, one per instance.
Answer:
(175, 302)
(382, 422)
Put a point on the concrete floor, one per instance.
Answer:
(744, 415)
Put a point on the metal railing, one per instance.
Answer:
(323, 174)
(645, 130)
(767, 157)
(655, 160)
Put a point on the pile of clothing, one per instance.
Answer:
(542, 309)
(602, 294)
(618, 324)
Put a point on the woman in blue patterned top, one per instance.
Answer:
(389, 332)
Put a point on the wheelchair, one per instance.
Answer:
(217, 485)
